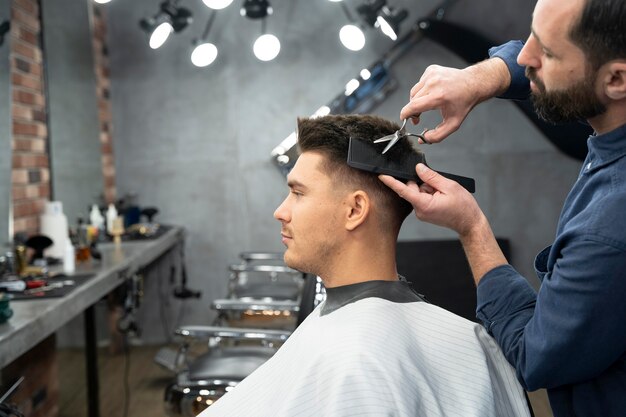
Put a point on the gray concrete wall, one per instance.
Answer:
(196, 142)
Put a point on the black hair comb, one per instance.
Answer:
(364, 156)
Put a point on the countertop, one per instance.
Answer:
(34, 320)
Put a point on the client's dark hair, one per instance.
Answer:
(330, 136)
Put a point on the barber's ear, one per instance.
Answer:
(358, 207)
(615, 80)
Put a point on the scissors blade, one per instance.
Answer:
(390, 144)
(386, 138)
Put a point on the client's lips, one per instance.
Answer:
(285, 237)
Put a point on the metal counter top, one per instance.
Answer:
(34, 320)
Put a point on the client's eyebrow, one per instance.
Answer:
(296, 184)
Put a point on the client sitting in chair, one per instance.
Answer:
(373, 347)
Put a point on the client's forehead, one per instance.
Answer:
(308, 170)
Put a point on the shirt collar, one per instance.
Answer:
(609, 146)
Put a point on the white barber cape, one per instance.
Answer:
(375, 357)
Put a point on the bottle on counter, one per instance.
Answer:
(82, 242)
(69, 258)
(111, 216)
(95, 217)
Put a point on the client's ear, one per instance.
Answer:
(358, 207)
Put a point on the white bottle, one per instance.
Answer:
(53, 224)
(111, 216)
(95, 217)
(69, 258)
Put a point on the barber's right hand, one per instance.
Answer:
(452, 91)
(438, 200)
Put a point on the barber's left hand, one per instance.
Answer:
(439, 200)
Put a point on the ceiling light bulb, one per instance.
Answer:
(386, 28)
(160, 35)
(204, 54)
(266, 47)
(102, 1)
(351, 86)
(322, 111)
(365, 74)
(352, 37)
(217, 4)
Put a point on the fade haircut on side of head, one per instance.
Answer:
(600, 31)
(330, 136)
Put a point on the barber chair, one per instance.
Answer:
(262, 292)
(263, 275)
(233, 353)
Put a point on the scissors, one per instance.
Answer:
(400, 133)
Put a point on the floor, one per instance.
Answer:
(146, 384)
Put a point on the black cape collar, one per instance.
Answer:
(395, 291)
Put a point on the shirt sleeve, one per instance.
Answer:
(508, 52)
(573, 329)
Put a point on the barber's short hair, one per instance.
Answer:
(600, 31)
(330, 136)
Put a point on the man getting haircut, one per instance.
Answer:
(374, 347)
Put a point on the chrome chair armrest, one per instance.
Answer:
(278, 269)
(245, 304)
(261, 256)
(206, 332)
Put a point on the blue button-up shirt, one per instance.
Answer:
(570, 337)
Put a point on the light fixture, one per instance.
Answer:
(204, 52)
(369, 10)
(170, 18)
(160, 34)
(389, 21)
(102, 1)
(217, 4)
(266, 47)
(350, 35)
(351, 86)
(256, 9)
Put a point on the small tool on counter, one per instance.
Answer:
(50, 287)
(400, 133)
(14, 285)
(366, 156)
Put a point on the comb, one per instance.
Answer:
(366, 157)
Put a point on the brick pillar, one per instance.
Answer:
(31, 174)
(103, 83)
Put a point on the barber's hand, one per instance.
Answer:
(439, 200)
(455, 92)
(448, 89)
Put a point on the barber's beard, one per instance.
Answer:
(577, 102)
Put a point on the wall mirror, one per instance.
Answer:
(5, 122)
(73, 123)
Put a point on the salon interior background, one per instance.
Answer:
(196, 142)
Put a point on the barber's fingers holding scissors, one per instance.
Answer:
(439, 200)
(455, 92)
(448, 89)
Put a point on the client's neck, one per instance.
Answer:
(360, 261)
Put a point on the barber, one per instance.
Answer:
(570, 337)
